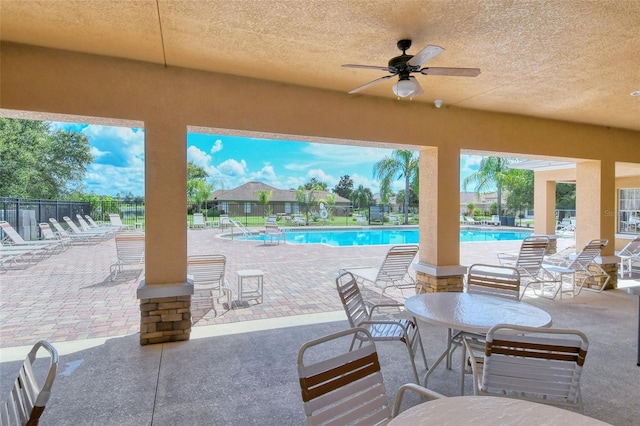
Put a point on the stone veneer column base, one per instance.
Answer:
(596, 283)
(166, 319)
(431, 284)
(433, 279)
(165, 312)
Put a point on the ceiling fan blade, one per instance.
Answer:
(456, 72)
(424, 55)
(371, 83)
(370, 67)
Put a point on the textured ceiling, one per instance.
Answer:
(574, 60)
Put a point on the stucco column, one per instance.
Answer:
(544, 200)
(438, 268)
(596, 210)
(165, 294)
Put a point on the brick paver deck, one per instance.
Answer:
(70, 296)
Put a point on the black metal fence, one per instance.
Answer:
(24, 214)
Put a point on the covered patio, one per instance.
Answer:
(555, 84)
(239, 368)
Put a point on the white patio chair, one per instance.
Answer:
(271, 231)
(382, 330)
(30, 393)
(129, 251)
(580, 268)
(528, 261)
(392, 273)
(489, 280)
(345, 386)
(198, 221)
(225, 221)
(629, 255)
(539, 365)
(208, 273)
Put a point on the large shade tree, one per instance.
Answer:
(344, 187)
(401, 164)
(490, 175)
(40, 162)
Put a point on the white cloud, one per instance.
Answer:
(233, 168)
(198, 157)
(321, 176)
(217, 146)
(104, 179)
(266, 175)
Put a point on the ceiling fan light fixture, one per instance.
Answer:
(404, 88)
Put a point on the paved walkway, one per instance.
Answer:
(70, 296)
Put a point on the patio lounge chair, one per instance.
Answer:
(394, 271)
(495, 220)
(48, 235)
(116, 222)
(361, 220)
(75, 238)
(346, 387)
(629, 255)
(16, 240)
(542, 365)
(208, 273)
(29, 396)
(581, 268)
(85, 227)
(528, 261)
(299, 220)
(96, 234)
(129, 251)
(12, 257)
(383, 330)
(472, 221)
(198, 221)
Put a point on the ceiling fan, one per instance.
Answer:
(404, 65)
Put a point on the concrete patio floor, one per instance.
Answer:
(240, 368)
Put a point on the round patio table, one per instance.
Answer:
(489, 411)
(471, 313)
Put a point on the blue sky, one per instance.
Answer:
(118, 167)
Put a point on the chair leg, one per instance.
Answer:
(418, 340)
(412, 358)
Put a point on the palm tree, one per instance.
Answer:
(264, 197)
(401, 164)
(361, 197)
(492, 172)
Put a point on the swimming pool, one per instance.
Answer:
(382, 236)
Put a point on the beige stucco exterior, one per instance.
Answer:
(168, 101)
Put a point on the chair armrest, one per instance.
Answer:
(428, 393)
(373, 307)
(475, 364)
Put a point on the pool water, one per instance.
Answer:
(382, 236)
